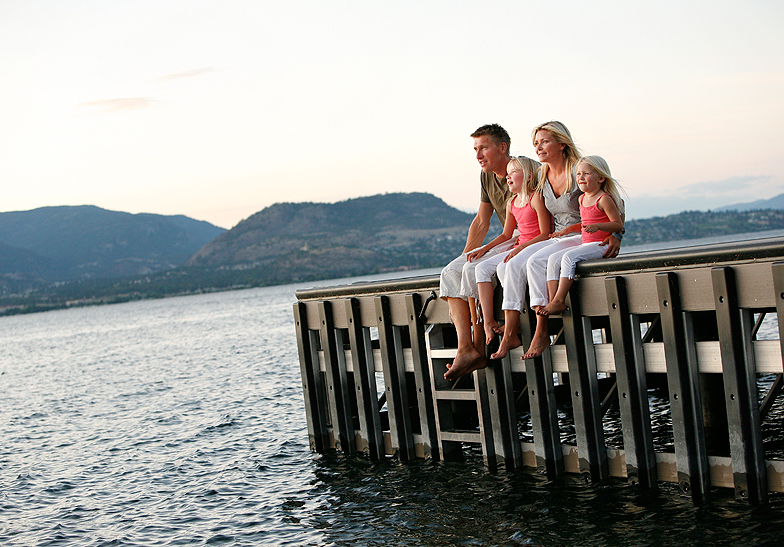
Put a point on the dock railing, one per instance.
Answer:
(655, 374)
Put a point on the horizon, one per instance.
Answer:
(189, 108)
(467, 211)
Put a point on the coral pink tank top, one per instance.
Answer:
(592, 215)
(527, 222)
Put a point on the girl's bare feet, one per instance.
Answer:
(508, 343)
(491, 329)
(537, 347)
(553, 308)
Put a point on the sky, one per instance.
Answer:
(218, 109)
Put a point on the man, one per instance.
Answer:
(458, 286)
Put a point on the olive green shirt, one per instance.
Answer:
(496, 192)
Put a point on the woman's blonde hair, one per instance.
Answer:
(571, 152)
(529, 168)
(610, 185)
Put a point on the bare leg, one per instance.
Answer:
(511, 337)
(552, 288)
(541, 339)
(558, 302)
(468, 358)
(491, 326)
(476, 333)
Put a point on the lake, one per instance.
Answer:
(181, 422)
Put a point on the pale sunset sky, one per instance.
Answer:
(217, 109)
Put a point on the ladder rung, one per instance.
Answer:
(456, 395)
(461, 436)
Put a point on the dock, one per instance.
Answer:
(655, 374)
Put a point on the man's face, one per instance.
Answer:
(490, 155)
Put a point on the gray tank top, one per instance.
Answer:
(566, 208)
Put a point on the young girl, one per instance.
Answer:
(526, 212)
(601, 213)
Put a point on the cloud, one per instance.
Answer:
(184, 74)
(118, 105)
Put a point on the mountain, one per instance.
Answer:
(295, 241)
(776, 202)
(61, 244)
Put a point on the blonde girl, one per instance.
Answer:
(601, 213)
(526, 213)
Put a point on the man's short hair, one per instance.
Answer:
(495, 132)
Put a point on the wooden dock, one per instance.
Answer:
(672, 330)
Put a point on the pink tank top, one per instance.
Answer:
(527, 222)
(592, 215)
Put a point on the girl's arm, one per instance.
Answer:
(607, 205)
(506, 235)
(545, 224)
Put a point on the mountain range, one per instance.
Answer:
(65, 244)
(54, 255)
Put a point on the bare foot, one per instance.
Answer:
(491, 329)
(537, 347)
(465, 363)
(553, 308)
(508, 343)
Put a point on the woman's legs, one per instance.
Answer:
(538, 291)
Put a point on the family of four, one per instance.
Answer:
(556, 212)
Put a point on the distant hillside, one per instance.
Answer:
(292, 241)
(698, 224)
(113, 257)
(60, 244)
(776, 202)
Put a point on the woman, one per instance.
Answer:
(559, 157)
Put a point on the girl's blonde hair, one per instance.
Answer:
(571, 152)
(529, 168)
(610, 185)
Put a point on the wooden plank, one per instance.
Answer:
(684, 388)
(338, 391)
(632, 387)
(363, 367)
(541, 398)
(740, 387)
(586, 403)
(312, 382)
(421, 373)
(395, 383)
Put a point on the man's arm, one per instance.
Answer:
(479, 226)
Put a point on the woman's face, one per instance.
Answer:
(547, 148)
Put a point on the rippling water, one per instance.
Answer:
(181, 421)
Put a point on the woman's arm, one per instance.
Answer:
(568, 230)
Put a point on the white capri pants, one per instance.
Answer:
(458, 278)
(512, 276)
(563, 263)
(537, 267)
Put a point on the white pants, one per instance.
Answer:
(512, 276)
(563, 263)
(458, 278)
(537, 267)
